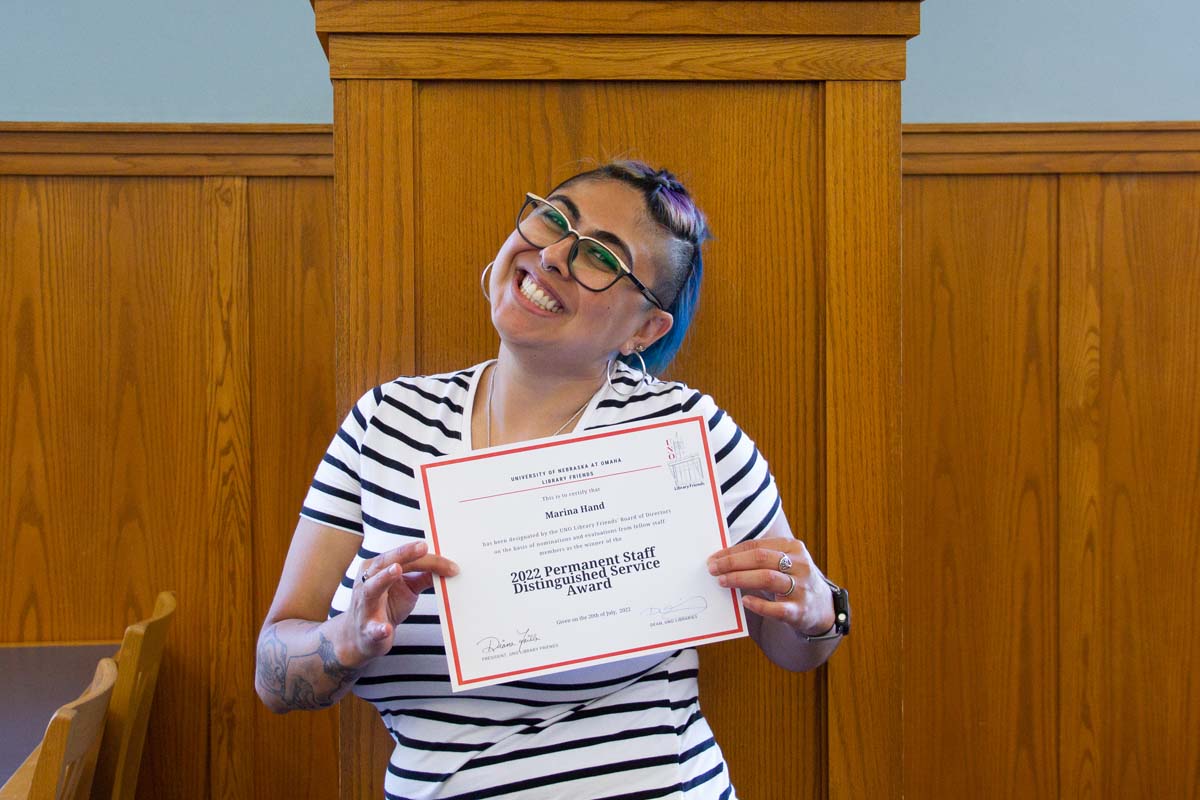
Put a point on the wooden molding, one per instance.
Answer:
(644, 17)
(68, 148)
(623, 57)
(57, 148)
(1051, 148)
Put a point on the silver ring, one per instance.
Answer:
(791, 588)
(363, 577)
(785, 564)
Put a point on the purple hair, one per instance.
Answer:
(672, 207)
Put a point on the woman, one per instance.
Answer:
(608, 265)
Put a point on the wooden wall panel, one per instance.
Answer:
(230, 626)
(375, 314)
(527, 137)
(113, 461)
(105, 487)
(130, 453)
(861, 448)
(980, 696)
(1130, 513)
(294, 410)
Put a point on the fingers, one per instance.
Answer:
(759, 554)
(791, 613)
(411, 557)
(376, 584)
(767, 580)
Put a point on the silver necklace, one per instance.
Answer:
(492, 389)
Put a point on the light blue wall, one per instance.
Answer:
(259, 61)
(162, 61)
(1054, 60)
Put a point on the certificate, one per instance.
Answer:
(578, 550)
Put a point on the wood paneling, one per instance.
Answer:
(231, 629)
(1049, 426)
(376, 312)
(980, 692)
(632, 16)
(294, 409)
(1051, 148)
(861, 448)
(1130, 512)
(105, 471)
(513, 138)
(47, 148)
(663, 58)
(128, 459)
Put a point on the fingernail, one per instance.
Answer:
(453, 570)
(723, 580)
(712, 566)
(391, 571)
(420, 548)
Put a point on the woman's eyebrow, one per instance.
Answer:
(604, 236)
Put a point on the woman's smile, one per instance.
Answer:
(537, 294)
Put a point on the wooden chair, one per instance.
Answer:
(129, 712)
(62, 766)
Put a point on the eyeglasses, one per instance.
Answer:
(592, 264)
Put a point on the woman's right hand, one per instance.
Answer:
(384, 594)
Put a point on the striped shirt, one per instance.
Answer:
(630, 729)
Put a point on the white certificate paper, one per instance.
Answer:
(578, 550)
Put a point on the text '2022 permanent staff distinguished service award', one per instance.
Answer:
(578, 550)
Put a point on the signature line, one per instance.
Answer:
(544, 486)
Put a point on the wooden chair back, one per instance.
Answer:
(129, 711)
(66, 759)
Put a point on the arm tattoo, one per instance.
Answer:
(292, 677)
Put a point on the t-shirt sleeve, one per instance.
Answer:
(747, 486)
(335, 496)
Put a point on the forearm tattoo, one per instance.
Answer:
(314, 679)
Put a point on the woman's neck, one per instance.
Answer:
(530, 398)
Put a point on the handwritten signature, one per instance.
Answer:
(497, 644)
(688, 605)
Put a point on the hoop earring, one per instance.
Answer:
(608, 374)
(483, 281)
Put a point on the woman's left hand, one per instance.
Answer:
(783, 571)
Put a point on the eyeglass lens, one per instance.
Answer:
(592, 264)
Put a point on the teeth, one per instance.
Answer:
(539, 298)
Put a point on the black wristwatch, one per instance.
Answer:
(841, 614)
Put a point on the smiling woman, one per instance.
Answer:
(604, 269)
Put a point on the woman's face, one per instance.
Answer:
(536, 304)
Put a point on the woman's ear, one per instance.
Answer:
(656, 326)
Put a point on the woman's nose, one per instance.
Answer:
(555, 256)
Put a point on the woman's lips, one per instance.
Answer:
(537, 294)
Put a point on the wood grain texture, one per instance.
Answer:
(619, 58)
(269, 150)
(1130, 512)
(862, 478)
(858, 17)
(104, 361)
(163, 149)
(118, 164)
(231, 630)
(1082, 699)
(1050, 163)
(295, 412)
(1051, 148)
(375, 310)
(980, 696)
(485, 145)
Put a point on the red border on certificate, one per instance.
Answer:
(712, 482)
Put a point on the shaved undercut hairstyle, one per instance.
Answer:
(670, 205)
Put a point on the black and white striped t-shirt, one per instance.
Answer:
(630, 729)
